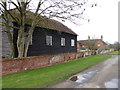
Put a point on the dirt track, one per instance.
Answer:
(103, 75)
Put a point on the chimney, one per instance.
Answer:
(101, 37)
(88, 37)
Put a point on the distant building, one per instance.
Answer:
(90, 44)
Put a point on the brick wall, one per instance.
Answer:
(21, 64)
(100, 43)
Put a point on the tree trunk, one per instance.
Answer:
(10, 38)
(21, 33)
(21, 38)
(27, 42)
(21, 41)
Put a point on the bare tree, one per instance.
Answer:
(62, 9)
(116, 46)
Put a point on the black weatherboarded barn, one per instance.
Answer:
(52, 37)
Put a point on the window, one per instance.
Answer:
(49, 40)
(62, 41)
(26, 35)
(98, 45)
(31, 42)
(72, 42)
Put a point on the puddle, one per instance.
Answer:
(112, 84)
(85, 77)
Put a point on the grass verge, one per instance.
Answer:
(114, 53)
(42, 77)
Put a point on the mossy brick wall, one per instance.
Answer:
(21, 64)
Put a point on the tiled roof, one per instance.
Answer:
(84, 42)
(55, 25)
(46, 22)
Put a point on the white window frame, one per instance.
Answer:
(49, 40)
(31, 41)
(72, 42)
(98, 45)
(62, 41)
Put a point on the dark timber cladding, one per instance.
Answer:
(39, 46)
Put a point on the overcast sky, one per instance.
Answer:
(103, 21)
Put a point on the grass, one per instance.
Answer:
(42, 77)
(114, 53)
